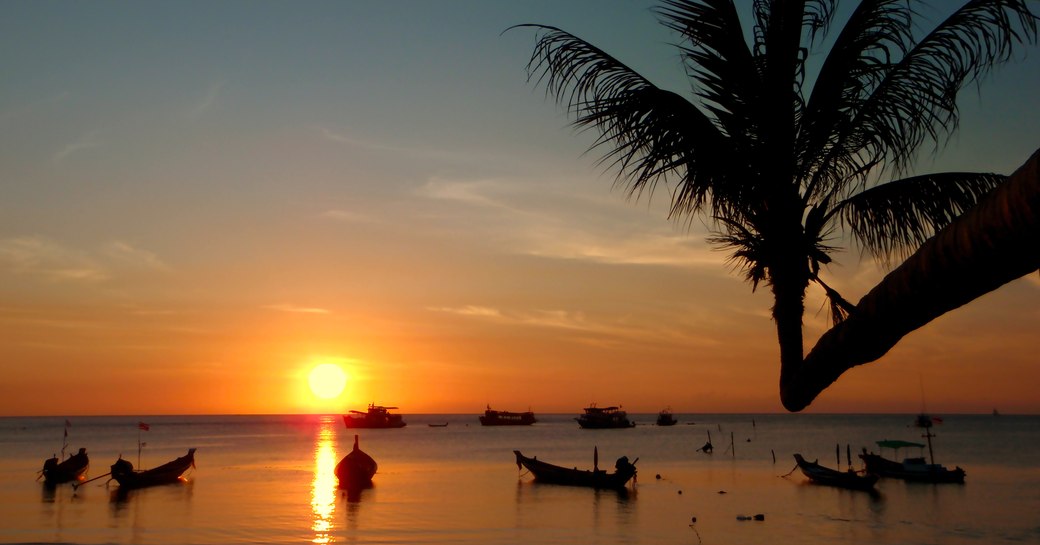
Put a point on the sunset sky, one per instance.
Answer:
(201, 201)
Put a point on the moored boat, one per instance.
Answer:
(171, 472)
(832, 477)
(604, 418)
(356, 469)
(596, 478)
(665, 418)
(72, 468)
(506, 418)
(914, 469)
(376, 416)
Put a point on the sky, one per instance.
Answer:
(202, 201)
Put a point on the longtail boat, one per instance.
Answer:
(506, 418)
(596, 478)
(127, 477)
(72, 468)
(377, 416)
(356, 468)
(832, 477)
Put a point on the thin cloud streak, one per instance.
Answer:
(297, 309)
(210, 98)
(37, 256)
(90, 140)
(137, 257)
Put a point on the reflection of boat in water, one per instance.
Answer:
(72, 468)
(832, 477)
(597, 478)
(914, 469)
(604, 418)
(506, 418)
(171, 472)
(356, 469)
(665, 418)
(377, 416)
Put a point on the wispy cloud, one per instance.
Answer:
(296, 309)
(136, 257)
(541, 220)
(345, 216)
(38, 256)
(576, 322)
(90, 140)
(207, 101)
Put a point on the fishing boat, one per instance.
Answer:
(171, 472)
(377, 416)
(356, 468)
(914, 469)
(604, 418)
(506, 418)
(665, 418)
(72, 468)
(596, 478)
(832, 477)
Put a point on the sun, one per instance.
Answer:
(327, 380)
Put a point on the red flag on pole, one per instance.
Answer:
(142, 426)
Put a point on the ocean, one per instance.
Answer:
(269, 479)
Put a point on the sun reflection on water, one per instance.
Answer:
(323, 490)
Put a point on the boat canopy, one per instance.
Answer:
(895, 443)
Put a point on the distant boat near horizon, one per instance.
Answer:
(377, 416)
(604, 418)
(505, 418)
(666, 418)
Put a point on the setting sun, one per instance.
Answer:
(327, 380)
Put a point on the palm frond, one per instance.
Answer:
(828, 148)
(645, 132)
(897, 217)
(917, 100)
(717, 60)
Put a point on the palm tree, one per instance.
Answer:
(782, 166)
(992, 244)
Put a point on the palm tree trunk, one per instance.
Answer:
(992, 244)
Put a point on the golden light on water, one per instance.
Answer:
(323, 489)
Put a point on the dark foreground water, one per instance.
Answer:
(269, 479)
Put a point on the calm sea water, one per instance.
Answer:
(269, 479)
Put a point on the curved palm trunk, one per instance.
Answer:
(992, 244)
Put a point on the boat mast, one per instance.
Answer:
(924, 421)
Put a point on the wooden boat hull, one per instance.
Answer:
(549, 473)
(912, 469)
(124, 473)
(831, 477)
(72, 469)
(356, 469)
